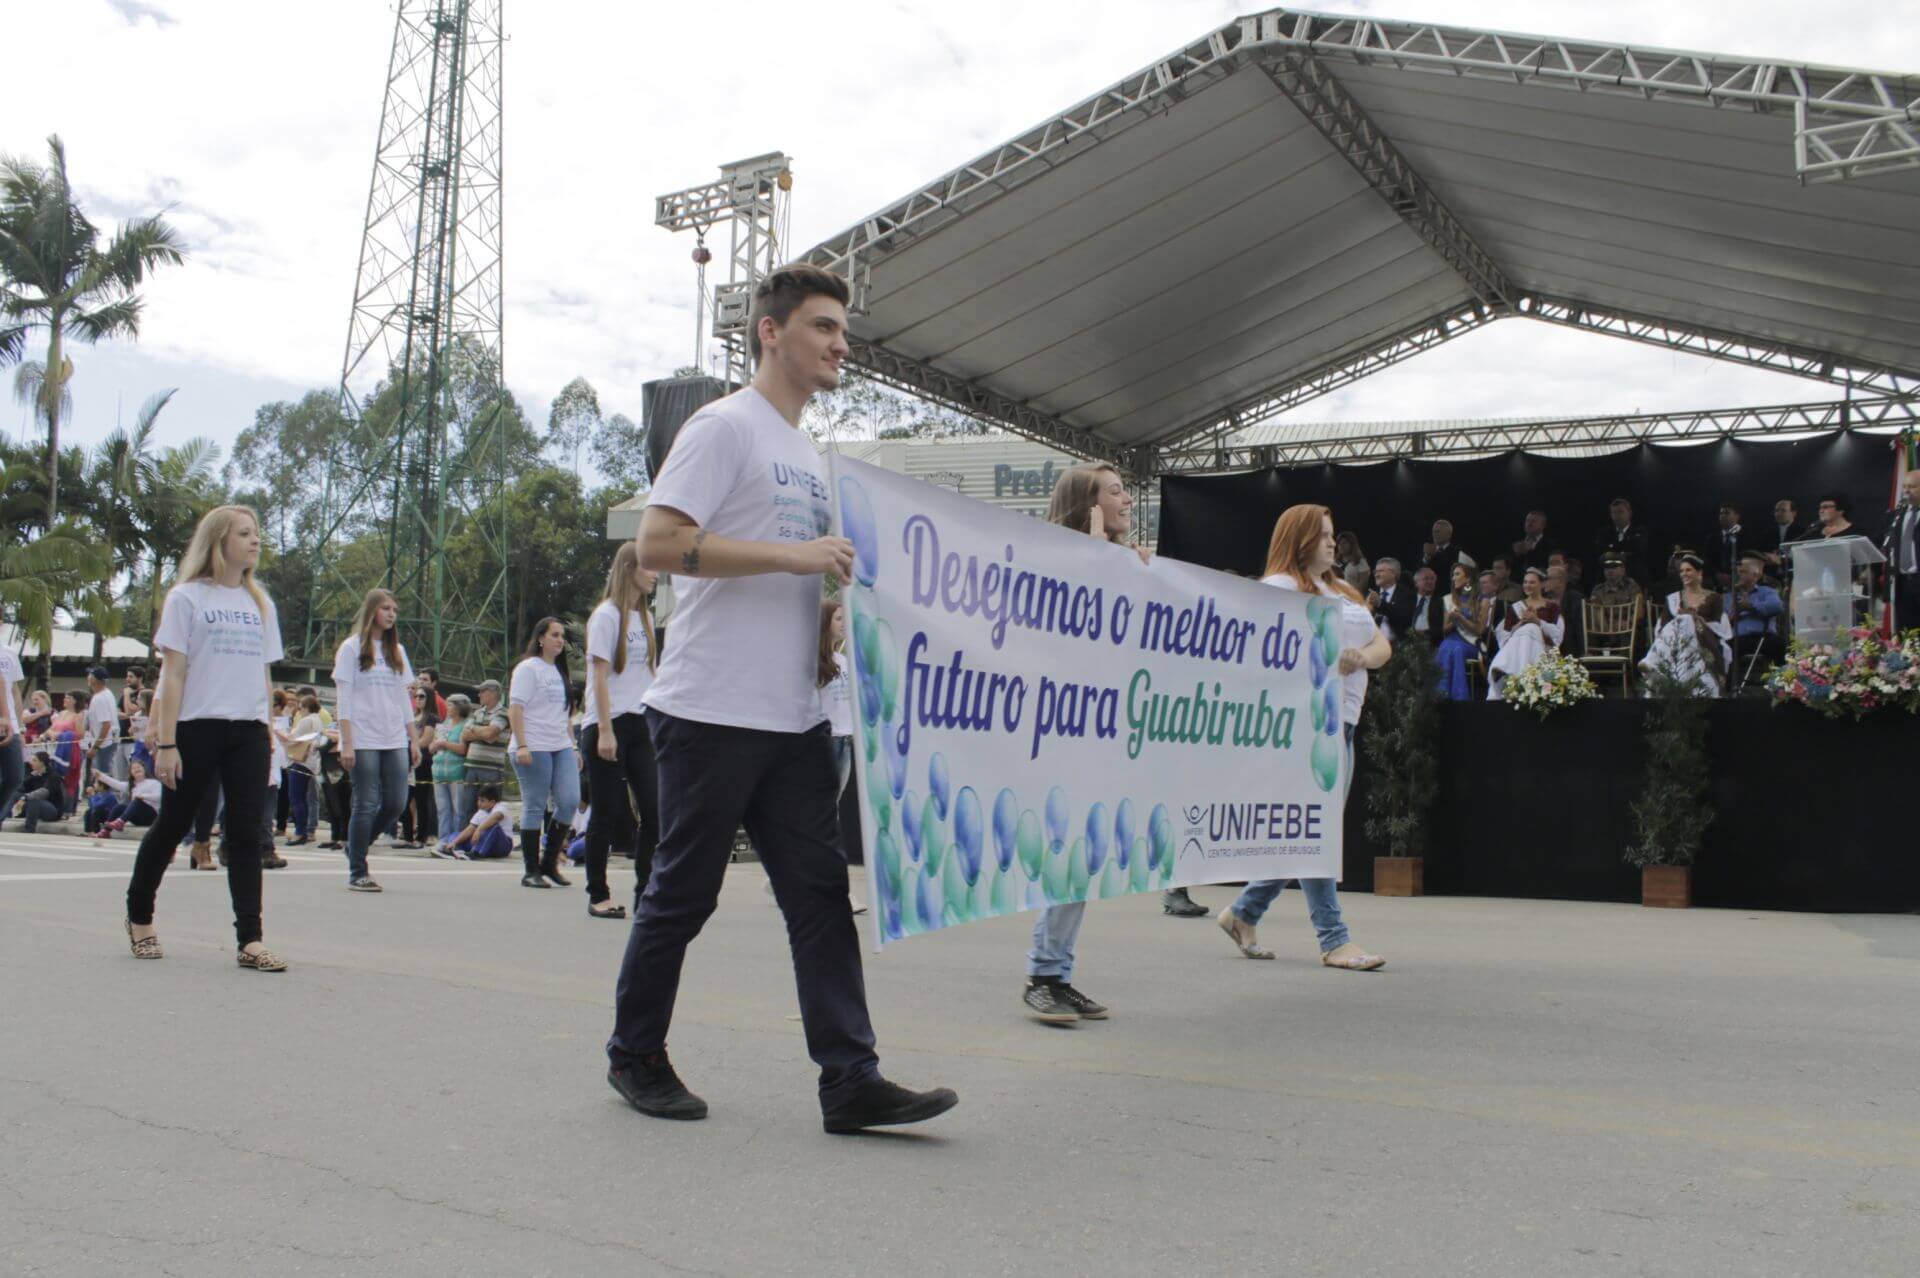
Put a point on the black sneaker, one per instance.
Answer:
(1176, 902)
(534, 881)
(363, 884)
(1086, 1007)
(884, 1104)
(1045, 1004)
(651, 1086)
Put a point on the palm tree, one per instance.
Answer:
(54, 275)
(60, 569)
(184, 488)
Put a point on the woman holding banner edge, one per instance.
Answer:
(1301, 553)
(1094, 500)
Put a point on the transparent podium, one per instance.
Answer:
(1832, 587)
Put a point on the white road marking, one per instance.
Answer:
(38, 855)
(384, 872)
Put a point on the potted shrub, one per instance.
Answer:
(1403, 727)
(1672, 814)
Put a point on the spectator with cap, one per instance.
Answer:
(102, 732)
(485, 737)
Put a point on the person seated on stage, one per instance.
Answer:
(1758, 614)
(1836, 517)
(1671, 581)
(485, 836)
(1428, 610)
(1489, 607)
(1573, 606)
(1526, 631)
(1505, 586)
(1576, 572)
(1694, 644)
(1615, 587)
(1441, 554)
(1463, 621)
(1535, 547)
(1390, 601)
(136, 801)
(1623, 537)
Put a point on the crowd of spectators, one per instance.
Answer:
(1714, 617)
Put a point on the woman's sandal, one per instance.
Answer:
(1240, 932)
(616, 912)
(144, 947)
(1352, 958)
(261, 960)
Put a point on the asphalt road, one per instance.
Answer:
(1527, 1088)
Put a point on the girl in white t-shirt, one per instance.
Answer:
(539, 700)
(1300, 556)
(1092, 500)
(621, 654)
(379, 748)
(218, 639)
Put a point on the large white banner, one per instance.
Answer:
(1042, 718)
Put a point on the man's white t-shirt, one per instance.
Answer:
(375, 700)
(744, 651)
(228, 643)
(484, 817)
(626, 691)
(12, 675)
(541, 693)
(1356, 631)
(103, 718)
(837, 698)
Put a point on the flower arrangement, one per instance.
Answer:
(1851, 680)
(1554, 682)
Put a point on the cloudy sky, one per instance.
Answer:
(253, 123)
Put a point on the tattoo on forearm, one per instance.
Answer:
(690, 562)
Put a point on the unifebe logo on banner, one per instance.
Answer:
(1042, 718)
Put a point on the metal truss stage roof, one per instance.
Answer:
(1298, 200)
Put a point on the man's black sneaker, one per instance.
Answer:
(1177, 903)
(651, 1086)
(883, 1104)
(1045, 1004)
(1080, 1003)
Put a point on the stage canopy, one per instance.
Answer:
(1297, 200)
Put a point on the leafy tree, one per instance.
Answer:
(58, 278)
(865, 408)
(282, 456)
(61, 569)
(619, 453)
(574, 419)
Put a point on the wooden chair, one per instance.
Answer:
(1612, 632)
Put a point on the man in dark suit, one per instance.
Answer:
(1903, 553)
(1624, 538)
(1441, 554)
(1772, 543)
(1390, 600)
(1729, 544)
(1535, 548)
(1428, 617)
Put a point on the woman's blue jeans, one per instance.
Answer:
(446, 800)
(379, 794)
(550, 774)
(1323, 899)
(1055, 934)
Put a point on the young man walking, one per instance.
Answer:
(740, 514)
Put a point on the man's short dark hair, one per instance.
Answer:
(488, 790)
(1620, 501)
(779, 295)
(1734, 506)
(431, 675)
(1840, 502)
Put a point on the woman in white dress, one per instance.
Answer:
(1694, 644)
(1528, 630)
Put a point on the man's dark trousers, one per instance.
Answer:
(782, 787)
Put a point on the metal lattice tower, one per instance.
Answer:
(422, 382)
(752, 197)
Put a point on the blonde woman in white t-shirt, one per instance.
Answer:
(622, 652)
(379, 745)
(1300, 556)
(218, 638)
(539, 703)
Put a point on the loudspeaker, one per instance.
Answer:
(665, 407)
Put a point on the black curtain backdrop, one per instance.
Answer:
(1224, 521)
